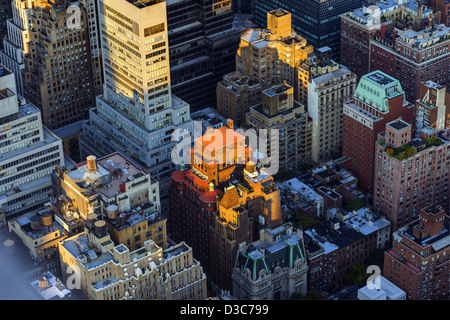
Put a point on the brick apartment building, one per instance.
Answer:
(215, 205)
(245, 208)
(410, 173)
(333, 247)
(419, 262)
(360, 25)
(378, 99)
(412, 56)
(444, 8)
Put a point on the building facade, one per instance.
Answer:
(245, 208)
(410, 173)
(28, 154)
(333, 247)
(266, 57)
(378, 99)
(203, 39)
(360, 25)
(120, 192)
(279, 111)
(317, 20)
(330, 86)
(137, 113)
(114, 272)
(413, 56)
(15, 44)
(276, 263)
(58, 74)
(432, 107)
(40, 234)
(418, 262)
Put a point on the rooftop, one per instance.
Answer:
(398, 124)
(53, 288)
(113, 170)
(438, 241)
(380, 78)
(387, 288)
(144, 3)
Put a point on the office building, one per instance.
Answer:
(57, 77)
(378, 99)
(28, 152)
(418, 262)
(91, 7)
(203, 39)
(272, 268)
(5, 15)
(265, 58)
(15, 44)
(278, 111)
(137, 113)
(330, 86)
(315, 20)
(410, 173)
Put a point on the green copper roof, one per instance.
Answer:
(377, 88)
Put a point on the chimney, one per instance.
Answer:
(91, 163)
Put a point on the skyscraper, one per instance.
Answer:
(203, 39)
(5, 15)
(280, 112)
(315, 20)
(58, 75)
(28, 152)
(137, 113)
(15, 44)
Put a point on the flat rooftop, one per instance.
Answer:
(399, 124)
(380, 78)
(144, 3)
(116, 166)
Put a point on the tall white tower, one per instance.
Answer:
(137, 112)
